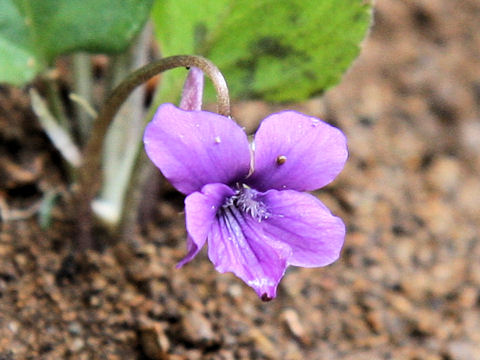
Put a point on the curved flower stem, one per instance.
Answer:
(88, 171)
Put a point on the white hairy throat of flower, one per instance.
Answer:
(245, 201)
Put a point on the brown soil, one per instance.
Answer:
(406, 287)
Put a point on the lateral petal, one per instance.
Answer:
(201, 208)
(306, 225)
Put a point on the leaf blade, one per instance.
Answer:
(269, 48)
(33, 33)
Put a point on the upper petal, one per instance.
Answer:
(237, 244)
(200, 210)
(297, 152)
(300, 220)
(195, 148)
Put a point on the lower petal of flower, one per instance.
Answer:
(236, 243)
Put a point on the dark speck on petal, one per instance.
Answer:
(281, 159)
(266, 298)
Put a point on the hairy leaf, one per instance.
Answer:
(276, 49)
(34, 32)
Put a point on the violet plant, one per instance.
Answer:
(248, 200)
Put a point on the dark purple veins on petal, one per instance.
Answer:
(237, 243)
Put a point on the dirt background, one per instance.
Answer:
(406, 287)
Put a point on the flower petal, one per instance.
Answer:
(200, 211)
(236, 243)
(195, 148)
(297, 152)
(306, 225)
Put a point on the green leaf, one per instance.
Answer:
(17, 61)
(34, 32)
(275, 49)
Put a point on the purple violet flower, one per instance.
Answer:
(248, 200)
